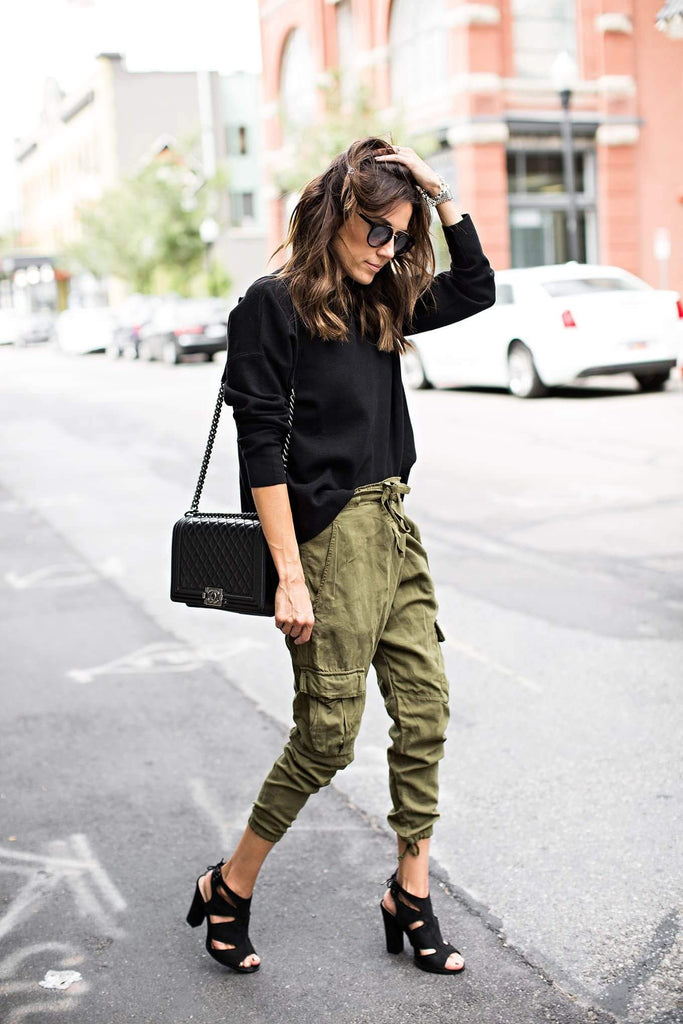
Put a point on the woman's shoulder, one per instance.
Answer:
(269, 288)
(266, 306)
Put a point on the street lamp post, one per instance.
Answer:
(564, 75)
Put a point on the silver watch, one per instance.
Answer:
(441, 197)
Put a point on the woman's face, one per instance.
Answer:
(360, 260)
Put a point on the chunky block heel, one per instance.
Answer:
(415, 918)
(223, 902)
(392, 930)
(196, 913)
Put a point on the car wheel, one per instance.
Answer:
(414, 372)
(170, 353)
(523, 379)
(652, 381)
(145, 351)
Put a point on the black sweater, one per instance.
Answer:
(351, 421)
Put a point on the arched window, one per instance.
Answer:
(540, 29)
(297, 79)
(418, 51)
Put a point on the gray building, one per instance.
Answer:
(88, 140)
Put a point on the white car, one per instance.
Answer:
(10, 325)
(551, 325)
(79, 331)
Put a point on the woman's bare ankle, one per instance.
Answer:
(241, 884)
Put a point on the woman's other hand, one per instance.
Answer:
(293, 610)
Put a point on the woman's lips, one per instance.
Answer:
(374, 266)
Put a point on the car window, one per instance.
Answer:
(592, 285)
(504, 294)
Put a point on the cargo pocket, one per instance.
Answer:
(439, 632)
(335, 708)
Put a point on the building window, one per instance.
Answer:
(297, 80)
(237, 139)
(418, 55)
(542, 172)
(540, 29)
(241, 207)
(539, 207)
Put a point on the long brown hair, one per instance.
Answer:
(322, 295)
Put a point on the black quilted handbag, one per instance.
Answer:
(222, 559)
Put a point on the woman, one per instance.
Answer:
(354, 582)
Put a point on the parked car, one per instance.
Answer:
(35, 328)
(9, 326)
(184, 327)
(552, 325)
(79, 331)
(134, 312)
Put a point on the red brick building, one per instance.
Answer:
(478, 76)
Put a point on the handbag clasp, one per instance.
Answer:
(212, 597)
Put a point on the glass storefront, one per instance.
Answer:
(538, 207)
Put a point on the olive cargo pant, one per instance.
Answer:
(374, 603)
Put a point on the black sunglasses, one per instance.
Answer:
(380, 234)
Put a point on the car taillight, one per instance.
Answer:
(679, 307)
(197, 329)
(568, 319)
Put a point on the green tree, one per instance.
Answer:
(146, 229)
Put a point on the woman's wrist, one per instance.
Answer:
(290, 573)
(274, 511)
(448, 213)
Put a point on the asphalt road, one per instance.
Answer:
(136, 732)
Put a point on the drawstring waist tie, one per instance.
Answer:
(389, 493)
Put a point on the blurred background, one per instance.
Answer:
(150, 156)
(147, 148)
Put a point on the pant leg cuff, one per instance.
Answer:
(412, 841)
(263, 833)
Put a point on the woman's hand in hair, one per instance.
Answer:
(293, 610)
(422, 172)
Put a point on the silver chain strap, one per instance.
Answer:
(193, 510)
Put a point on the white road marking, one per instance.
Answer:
(35, 890)
(43, 501)
(208, 803)
(94, 893)
(13, 961)
(472, 652)
(164, 657)
(67, 1002)
(81, 846)
(67, 574)
(229, 828)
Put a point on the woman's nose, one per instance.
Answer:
(387, 250)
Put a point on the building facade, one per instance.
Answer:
(477, 76)
(88, 141)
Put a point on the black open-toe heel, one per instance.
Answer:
(430, 951)
(224, 903)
